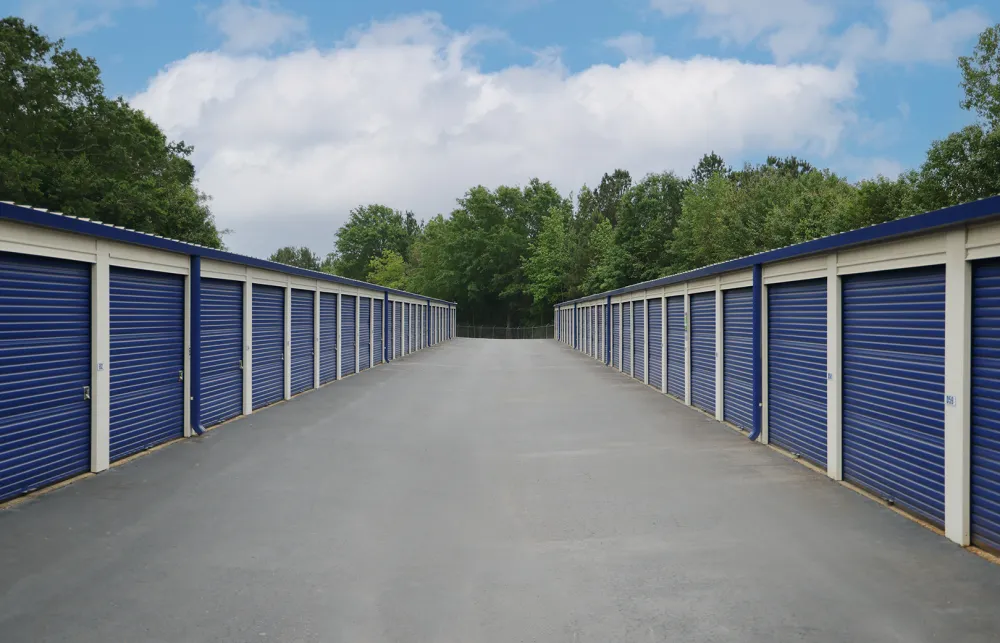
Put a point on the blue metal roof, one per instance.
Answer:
(59, 221)
(954, 215)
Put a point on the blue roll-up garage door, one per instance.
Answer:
(676, 369)
(737, 357)
(268, 345)
(408, 329)
(303, 338)
(703, 351)
(616, 330)
(796, 368)
(893, 387)
(365, 334)
(639, 339)
(655, 341)
(348, 339)
(221, 350)
(377, 327)
(601, 333)
(44, 372)
(147, 360)
(327, 337)
(593, 331)
(398, 328)
(985, 510)
(627, 337)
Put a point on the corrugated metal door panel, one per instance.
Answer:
(601, 334)
(593, 331)
(377, 325)
(398, 330)
(303, 329)
(893, 386)
(985, 510)
(147, 360)
(639, 339)
(676, 378)
(408, 328)
(365, 334)
(703, 351)
(327, 337)
(268, 307)
(44, 372)
(221, 350)
(348, 346)
(627, 337)
(615, 333)
(655, 351)
(737, 357)
(796, 368)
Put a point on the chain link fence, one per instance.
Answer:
(503, 332)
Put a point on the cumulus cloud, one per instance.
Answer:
(253, 27)
(61, 18)
(399, 114)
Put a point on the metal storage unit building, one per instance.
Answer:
(147, 360)
(268, 345)
(303, 336)
(703, 351)
(221, 350)
(797, 367)
(737, 354)
(45, 367)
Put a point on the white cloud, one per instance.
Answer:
(633, 45)
(253, 27)
(61, 18)
(398, 114)
(908, 30)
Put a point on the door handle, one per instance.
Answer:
(86, 393)
(180, 376)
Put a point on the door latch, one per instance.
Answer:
(180, 376)
(86, 393)
(241, 365)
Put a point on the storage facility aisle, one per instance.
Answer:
(520, 491)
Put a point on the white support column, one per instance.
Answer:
(763, 367)
(288, 343)
(663, 345)
(834, 426)
(645, 338)
(100, 373)
(316, 336)
(248, 345)
(357, 332)
(187, 357)
(957, 388)
(687, 346)
(340, 338)
(720, 348)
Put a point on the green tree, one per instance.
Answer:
(300, 257)
(963, 167)
(709, 165)
(981, 77)
(388, 270)
(605, 271)
(65, 146)
(647, 215)
(368, 233)
(549, 261)
(608, 195)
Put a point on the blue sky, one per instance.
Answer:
(302, 109)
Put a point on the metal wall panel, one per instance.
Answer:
(303, 338)
(655, 341)
(398, 328)
(348, 339)
(221, 350)
(44, 372)
(639, 339)
(893, 386)
(365, 334)
(676, 373)
(796, 368)
(327, 337)
(985, 501)
(377, 325)
(737, 357)
(703, 351)
(147, 360)
(268, 345)
(627, 337)
(616, 330)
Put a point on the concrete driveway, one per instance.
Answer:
(480, 491)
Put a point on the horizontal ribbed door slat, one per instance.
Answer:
(377, 326)
(221, 350)
(737, 357)
(303, 338)
(639, 339)
(45, 363)
(985, 482)
(348, 346)
(365, 333)
(703, 351)
(268, 307)
(626, 338)
(398, 329)
(327, 337)
(655, 341)
(676, 377)
(616, 334)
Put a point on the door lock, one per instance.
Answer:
(241, 365)
(86, 393)
(180, 376)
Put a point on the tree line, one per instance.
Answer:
(505, 254)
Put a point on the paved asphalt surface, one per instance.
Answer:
(480, 491)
